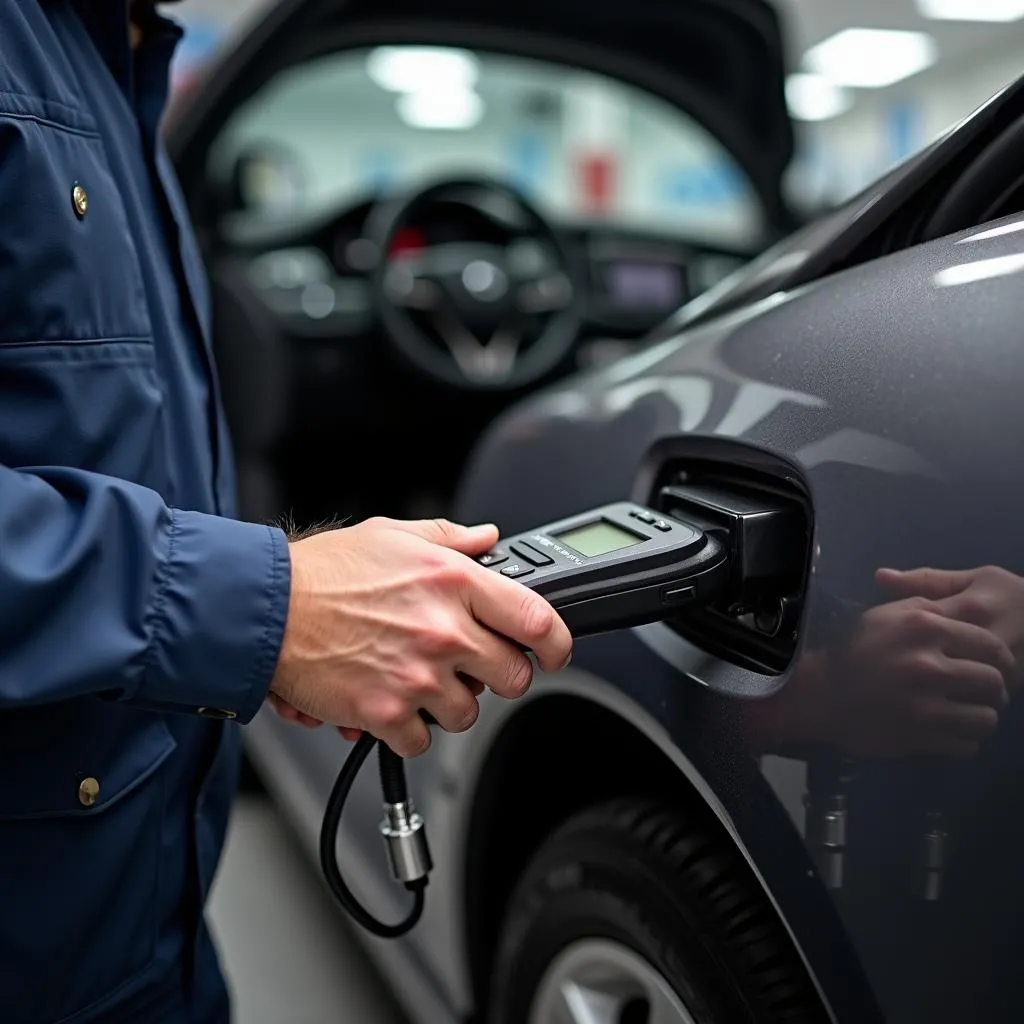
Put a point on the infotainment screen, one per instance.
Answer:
(638, 284)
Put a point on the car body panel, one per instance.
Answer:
(893, 388)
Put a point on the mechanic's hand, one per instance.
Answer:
(987, 596)
(909, 682)
(388, 618)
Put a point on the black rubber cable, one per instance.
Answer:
(392, 777)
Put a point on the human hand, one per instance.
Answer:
(389, 618)
(987, 596)
(908, 682)
(290, 714)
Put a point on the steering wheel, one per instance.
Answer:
(479, 314)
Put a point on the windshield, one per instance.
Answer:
(584, 147)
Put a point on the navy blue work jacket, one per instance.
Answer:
(137, 617)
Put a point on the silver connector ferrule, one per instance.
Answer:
(405, 836)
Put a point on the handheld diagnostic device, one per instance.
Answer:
(617, 566)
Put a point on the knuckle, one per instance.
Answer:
(987, 719)
(518, 675)
(536, 618)
(421, 682)
(466, 716)
(978, 605)
(924, 663)
(922, 620)
(421, 745)
(441, 637)
(389, 713)
(445, 528)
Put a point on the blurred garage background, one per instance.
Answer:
(870, 83)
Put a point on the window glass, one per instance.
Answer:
(585, 148)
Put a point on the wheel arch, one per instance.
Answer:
(565, 748)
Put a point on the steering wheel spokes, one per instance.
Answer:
(547, 294)
(515, 288)
(487, 362)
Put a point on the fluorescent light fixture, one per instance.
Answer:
(441, 108)
(871, 58)
(409, 68)
(971, 10)
(815, 98)
(980, 270)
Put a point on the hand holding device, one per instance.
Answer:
(389, 618)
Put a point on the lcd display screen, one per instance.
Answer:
(640, 285)
(599, 538)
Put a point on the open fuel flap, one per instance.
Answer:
(758, 508)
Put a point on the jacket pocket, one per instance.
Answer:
(96, 406)
(80, 852)
(69, 270)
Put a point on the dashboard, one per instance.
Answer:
(316, 280)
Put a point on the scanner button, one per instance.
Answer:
(528, 553)
(644, 517)
(492, 558)
(515, 570)
(662, 524)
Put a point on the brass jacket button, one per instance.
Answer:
(80, 201)
(88, 791)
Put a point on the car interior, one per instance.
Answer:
(404, 239)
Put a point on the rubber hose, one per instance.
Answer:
(329, 844)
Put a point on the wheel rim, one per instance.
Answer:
(597, 981)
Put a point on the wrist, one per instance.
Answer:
(298, 598)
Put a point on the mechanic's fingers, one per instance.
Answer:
(408, 738)
(501, 666)
(975, 643)
(931, 583)
(352, 735)
(516, 612)
(455, 708)
(469, 540)
(974, 683)
(292, 714)
(962, 721)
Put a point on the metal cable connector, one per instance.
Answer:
(405, 836)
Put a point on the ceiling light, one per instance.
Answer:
(433, 108)
(408, 68)
(871, 58)
(814, 98)
(972, 10)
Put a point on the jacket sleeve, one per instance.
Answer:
(104, 590)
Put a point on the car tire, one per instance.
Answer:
(663, 914)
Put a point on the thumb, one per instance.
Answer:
(933, 584)
(469, 540)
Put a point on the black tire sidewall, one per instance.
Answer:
(600, 884)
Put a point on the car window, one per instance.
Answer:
(584, 147)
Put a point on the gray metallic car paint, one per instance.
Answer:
(894, 389)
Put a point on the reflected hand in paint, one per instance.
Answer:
(989, 596)
(910, 680)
